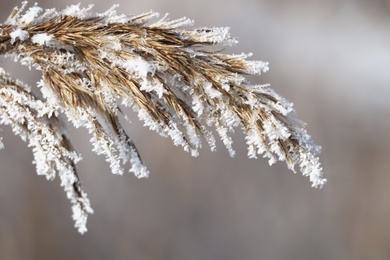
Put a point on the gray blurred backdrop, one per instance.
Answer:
(330, 58)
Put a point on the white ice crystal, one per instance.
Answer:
(42, 39)
(20, 34)
(166, 23)
(138, 67)
(31, 15)
(76, 11)
(211, 91)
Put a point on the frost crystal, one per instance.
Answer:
(93, 63)
(30, 15)
(42, 39)
(18, 34)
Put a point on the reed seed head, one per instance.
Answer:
(94, 63)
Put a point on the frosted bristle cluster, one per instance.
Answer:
(94, 63)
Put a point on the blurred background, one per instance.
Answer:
(330, 58)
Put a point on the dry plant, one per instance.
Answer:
(93, 63)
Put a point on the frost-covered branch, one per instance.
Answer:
(37, 124)
(93, 63)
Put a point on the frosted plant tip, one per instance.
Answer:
(93, 64)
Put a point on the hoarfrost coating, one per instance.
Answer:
(94, 63)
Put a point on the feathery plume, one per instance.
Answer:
(93, 63)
